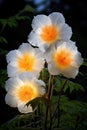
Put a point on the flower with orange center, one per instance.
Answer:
(25, 59)
(27, 92)
(49, 29)
(49, 34)
(23, 89)
(26, 62)
(64, 58)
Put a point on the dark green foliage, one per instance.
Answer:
(58, 82)
(3, 40)
(73, 86)
(85, 62)
(13, 20)
(22, 122)
(35, 102)
(3, 77)
(73, 114)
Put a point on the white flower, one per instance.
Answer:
(64, 58)
(25, 59)
(48, 29)
(22, 89)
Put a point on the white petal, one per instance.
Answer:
(24, 108)
(42, 90)
(10, 100)
(13, 83)
(79, 59)
(37, 69)
(12, 71)
(30, 77)
(40, 85)
(53, 70)
(13, 63)
(43, 47)
(39, 65)
(49, 52)
(71, 45)
(12, 55)
(34, 39)
(39, 53)
(26, 76)
(66, 32)
(70, 72)
(40, 20)
(26, 47)
(57, 18)
(9, 83)
(68, 44)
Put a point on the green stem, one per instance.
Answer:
(49, 107)
(58, 103)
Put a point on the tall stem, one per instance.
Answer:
(58, 103)
(49, 107)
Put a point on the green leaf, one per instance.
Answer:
(85, 62)
(3, 22)
(44, 75)
(22, 122)
(71, 110)
(3, 77)
(65, 88)
(73, 106)
(73, 86)
(29, 9)
(35, 102)
(3, 40)
(64, 99)
(58, 83)
(11, 22)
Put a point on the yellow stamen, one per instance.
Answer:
(26, 62)
(27, 93)
(49, 34)
(63, 58)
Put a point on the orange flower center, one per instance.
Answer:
(49, 33)
(26, 62)
(63, 58)
(26, 93)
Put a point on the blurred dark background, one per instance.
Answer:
(75, 13)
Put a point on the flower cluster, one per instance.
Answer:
(49, 41)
